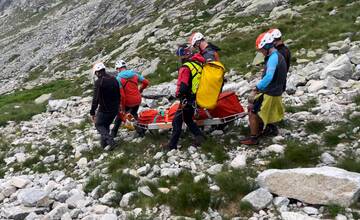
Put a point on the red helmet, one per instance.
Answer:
(263, 39)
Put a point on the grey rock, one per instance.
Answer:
(311, 210)
(340, 68)
(295, 216)
(20, 182)
(337, 186)
(109, 197)
(146, 191)
(20, 212)
(32, 196)
(57, 105)
(49, 159)
(125, 200)
(215, 169)
(281, 201)
(327, 159)
(144, 170)
(109, 217)
(258, 199)
(77, 200)
(239, 161)
(170, 172)
(57, 212)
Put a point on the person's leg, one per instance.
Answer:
(176, 129)
(116, 127)
(188, 114)
(101, 128)
(134, 111)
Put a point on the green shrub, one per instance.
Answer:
(216, 149)
(311, 103)
(235, 183)
(92, 183)
(124, 182)
(315, 127)
(349, 163)
(297, 155)
(334, 210)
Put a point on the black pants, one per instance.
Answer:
(132, 110)
(183, 115)
(102, 124)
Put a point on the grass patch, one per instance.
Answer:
(315, 127)
(35, 73)
(124, 183)
(334, 210)
(311, 103)
(216, 150)
(245, 209)
(349, 163)
(296, 155)
(92, 183)
(235, 183)
(20, 106)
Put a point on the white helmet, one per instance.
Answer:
(98, 67)
(275, 33)
(120, 64)
(263, 39)
(196, 37)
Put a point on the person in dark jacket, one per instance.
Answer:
(106, 99)
(188, 80)
(265, 102)
(208, 50)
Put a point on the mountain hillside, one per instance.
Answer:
(51, 162)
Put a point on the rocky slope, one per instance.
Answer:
(53, 168)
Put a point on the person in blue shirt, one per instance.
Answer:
(265, 102)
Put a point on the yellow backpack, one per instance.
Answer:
(196, 71)
(212, 78)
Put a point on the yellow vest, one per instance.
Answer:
(195, 75)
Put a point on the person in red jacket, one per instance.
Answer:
(130, 93)
(186, 85)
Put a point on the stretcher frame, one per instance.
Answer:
(200, 122)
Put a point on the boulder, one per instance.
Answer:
(43, 98)
(57, 105)
(109, 197)
(322, 185)
(19, 212)
(213, 170)
(32, 196)
(315, 85)
(354, 55)
(146, 191)
(125, 200)
(281, 201)
(258, 199)
(57, 212)
(170, 172)
(19, 182)
(259, 6)
(341, 68)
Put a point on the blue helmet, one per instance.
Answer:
(183, 50)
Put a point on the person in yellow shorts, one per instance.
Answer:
(265, 101)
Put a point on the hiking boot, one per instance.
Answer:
(199, 140)
(252, 140)
(103, 143)
(270, 130)
(111, 146)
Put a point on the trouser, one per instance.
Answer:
(102, 124)
(132, 110)
(183, 115)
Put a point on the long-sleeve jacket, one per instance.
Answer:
(106, 95)
(184, 82)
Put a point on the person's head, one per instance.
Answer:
(120, 65)
(197, 40)
(99, 69)
(276, 34)
(264, 43)
(184, 52)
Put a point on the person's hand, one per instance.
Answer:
(252, 95)
(141, 90)
(93, 118)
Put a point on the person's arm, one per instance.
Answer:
(183, 82)
(270, 71)
(95, 101)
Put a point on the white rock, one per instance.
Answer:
(158, 155)
(49, 159)
(144, 170)
(57, 212)
(311, 210)
(170, 172)
(164, 190)
(281, 201)
(109, 197)
(31, 196)
(146, 191)
(82, 163)
(19, 182)
(109, 217)
(43, 98)
(327, 159)
(295, 216)
(340, 217)
(100, 209)
(215, 188)
(276, 148)
(77, 200)
(126, 199)
(57, 105)
(341, 68)
(337, 186)
(199, 177)
(258, 199)
(315, 85)
(239, 161)
(213, 170)
(20, 157)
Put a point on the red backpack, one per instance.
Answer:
(131, 91)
